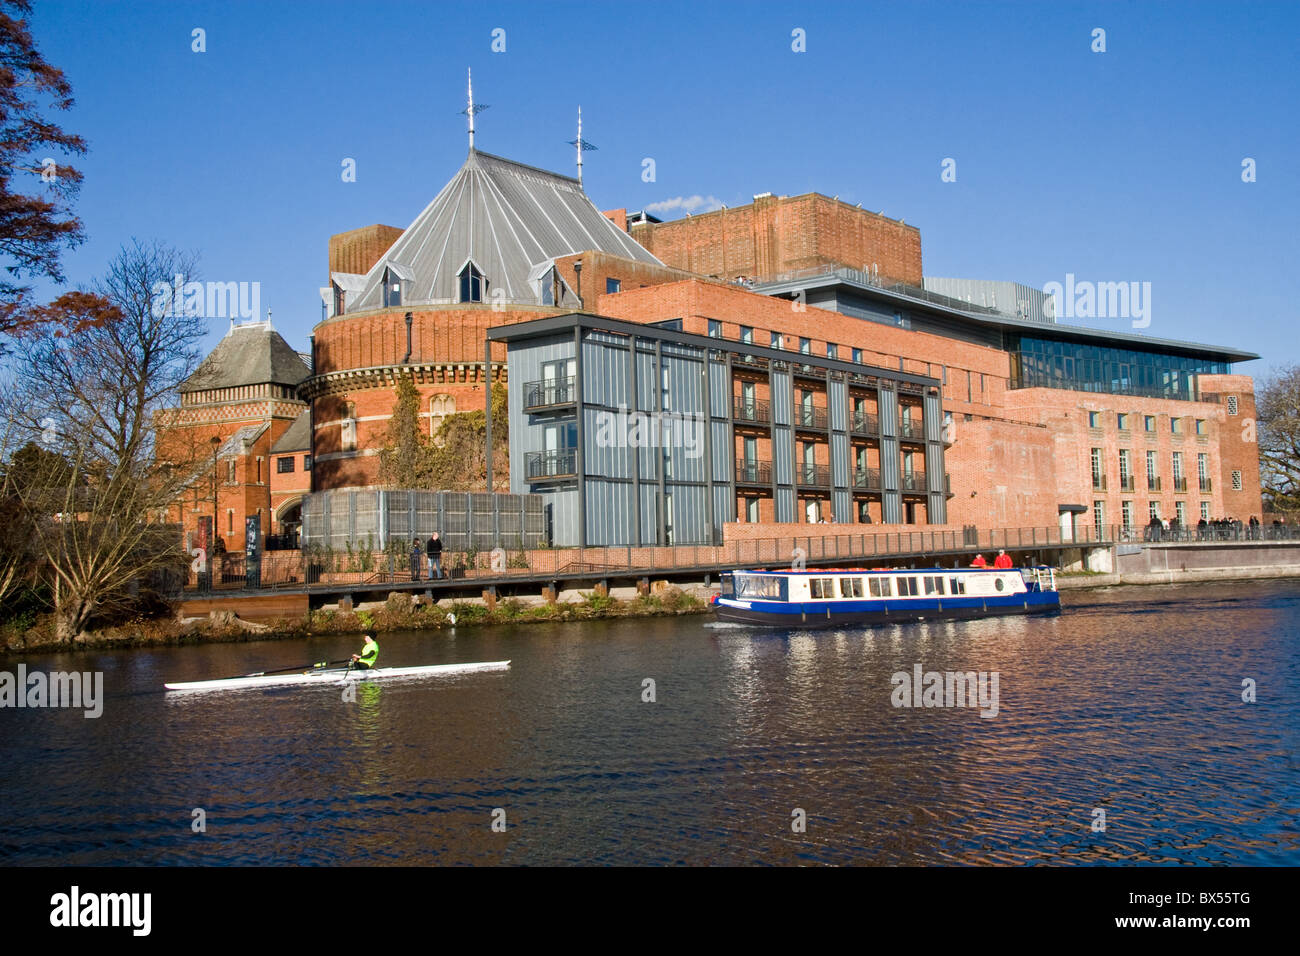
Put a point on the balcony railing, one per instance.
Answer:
(1180, 484)
(753, 472)
(752, 410)
(868, 478)
(1098, 483)
(817, 476)
(911, 428)
(864, 423)
(810, 418)
(1153, 483)
(544, 394)
(558, 463)
(912, 481)
(1126, 483)
(1207, 484)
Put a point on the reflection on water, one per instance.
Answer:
(1129, 701)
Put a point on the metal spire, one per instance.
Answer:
(471, 111)
(581, 145)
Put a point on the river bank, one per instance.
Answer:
(1086, 580)
(396, 615)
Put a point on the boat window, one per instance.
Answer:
(851, 587)
(880, 587)
(934, 585)
(956, 585)
(907, 587)
(999, 584)
(770, 586)
(821, 587)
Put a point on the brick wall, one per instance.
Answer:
(1238, 444)
(774, 235)
(356, 251)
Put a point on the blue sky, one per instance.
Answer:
(1115, 166)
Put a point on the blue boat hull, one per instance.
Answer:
(823, 614)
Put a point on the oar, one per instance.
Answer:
(300, 667)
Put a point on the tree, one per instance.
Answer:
(36, 221)
(1277, 407)
(94, 395)
(406, 457)
(460, 458)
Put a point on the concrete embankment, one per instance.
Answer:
(1072, 582)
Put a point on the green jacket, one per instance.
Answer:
(370, 653)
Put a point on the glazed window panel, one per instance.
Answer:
(821, 588)
(956, 585)
(880, 587)
(851, 587)
(933, 585)
(908, 587)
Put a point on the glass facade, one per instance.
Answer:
(1048, 363)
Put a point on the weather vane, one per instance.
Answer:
(581, 145)
(471, 111)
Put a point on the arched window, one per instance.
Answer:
(440, 406)
(473, 287)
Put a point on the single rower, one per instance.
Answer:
(369, 653)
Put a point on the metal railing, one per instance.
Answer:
(810, 417)
(868, 478)
(816, 476)
(865, 423)
(1207, 484)
(1098, 483)
(548, 392)
(1180, 484)
(759, 413)
(753, 472)
(912, 481)
(1153, 484)
(560, 463)
(911, 545)
(911, 428)
(1127, 483)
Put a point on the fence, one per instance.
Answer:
(352, 519)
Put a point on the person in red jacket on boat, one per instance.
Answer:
(1002, 561)
(979, 562)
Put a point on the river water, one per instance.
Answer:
(1128, 703)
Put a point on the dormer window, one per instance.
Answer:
(392, 289)
(473, 287)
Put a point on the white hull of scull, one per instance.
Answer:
(338, 676)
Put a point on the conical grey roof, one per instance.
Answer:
(506, 218)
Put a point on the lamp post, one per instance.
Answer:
(212, 543)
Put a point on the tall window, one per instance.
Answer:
(1180, 512)
(751, 510)
(776, 340)
(1125, 470)
(747, 335)
(230, 470)
(440, 406)
(349, 426)
(1178, 466)
(831, 351)
(715, 329)
(1203, 471)
(1205, 511)
(1153, 471)
(1099, 518)
(1098, 476)
(1153, 510)
(1126, 514)
(392, 288)
(473, 287)
(857, 356)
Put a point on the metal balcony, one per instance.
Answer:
(1098, 483)
(1180, 485)
(911, 429)
(752, 411)
(753, 472)
(1126, 483)
(810, 418)
(814, 476)
(1153, 484)
(864, 423)
(1207, 485)
(867, 478)
(549, 393)
(912, 481)
(558, 463)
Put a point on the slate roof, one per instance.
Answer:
(504, 216)
(250, 354)
(297, 437)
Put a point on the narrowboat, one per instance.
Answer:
(833, 597)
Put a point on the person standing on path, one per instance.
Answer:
(434, 550)
(415, 559)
